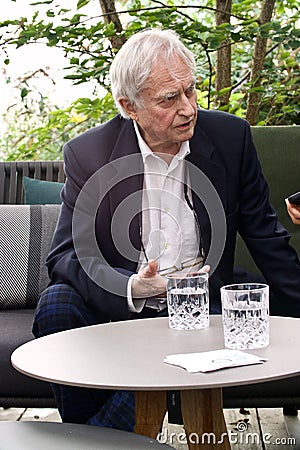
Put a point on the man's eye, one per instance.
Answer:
(168, 100)
(190, 91)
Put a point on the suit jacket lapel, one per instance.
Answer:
(202, 158)
(203, 155)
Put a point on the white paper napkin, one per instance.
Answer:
(214, 360)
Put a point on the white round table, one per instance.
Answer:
(129, 355)
(70, 436)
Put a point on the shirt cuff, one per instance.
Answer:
(134, 306)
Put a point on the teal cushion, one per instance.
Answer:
(37, 192)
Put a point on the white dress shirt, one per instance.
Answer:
(169, 232)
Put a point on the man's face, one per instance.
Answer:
(169, 111)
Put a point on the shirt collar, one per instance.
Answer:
(146, 150)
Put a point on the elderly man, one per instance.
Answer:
(162, 187)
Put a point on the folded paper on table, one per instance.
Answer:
(214, 360)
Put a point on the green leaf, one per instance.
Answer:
(52, 39)
(257, 89)
(46, 2)
(82, 3)
(224, 90)
(293, 44)
(24, 93)
(73, 77)
(76, 18)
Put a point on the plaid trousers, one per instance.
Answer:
(61, 308)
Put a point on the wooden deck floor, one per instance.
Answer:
(260, 429)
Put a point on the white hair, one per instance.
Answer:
(132, 65)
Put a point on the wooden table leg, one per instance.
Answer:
(150, 410)
(204, 423)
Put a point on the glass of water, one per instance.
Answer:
(245, 315)
(188, 301)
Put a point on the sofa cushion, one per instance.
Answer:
(40, 192)
(25, 237)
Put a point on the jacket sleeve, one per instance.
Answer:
(80, 263)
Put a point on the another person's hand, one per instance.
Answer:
(294, 212)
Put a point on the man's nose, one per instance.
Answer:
(186, 106)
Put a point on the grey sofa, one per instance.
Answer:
(23, 275)
(25, 235)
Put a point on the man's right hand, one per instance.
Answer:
(148, 283)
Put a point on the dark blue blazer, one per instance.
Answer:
(106, 162)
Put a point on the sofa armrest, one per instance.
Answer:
(25, 237)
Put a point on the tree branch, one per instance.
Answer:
(254, 99)
(223, 64)
(110, 15)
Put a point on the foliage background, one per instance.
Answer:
(227, 36)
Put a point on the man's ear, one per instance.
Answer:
(128, 107)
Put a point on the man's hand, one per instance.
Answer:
(205, 269)
(148, 283)
(294, 212)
